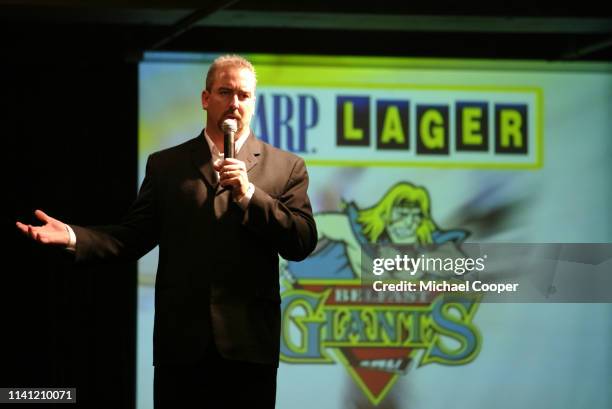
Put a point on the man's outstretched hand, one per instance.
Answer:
(52, 231)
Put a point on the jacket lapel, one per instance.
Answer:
(201, 158)
(250, 152)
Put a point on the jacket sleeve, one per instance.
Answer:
(135, 236)
(287, 220)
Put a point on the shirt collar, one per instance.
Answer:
(213, 148)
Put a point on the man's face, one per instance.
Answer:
(232, 95)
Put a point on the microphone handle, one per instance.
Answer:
(228, 145)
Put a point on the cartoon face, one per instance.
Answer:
(403, 223)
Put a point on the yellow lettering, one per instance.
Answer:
(510, 128)
(432, 129)
(471, 126)
(392, 126)
(350, 132)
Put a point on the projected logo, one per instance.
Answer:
(406, 125)
(330, 316)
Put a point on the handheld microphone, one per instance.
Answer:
(229, 127)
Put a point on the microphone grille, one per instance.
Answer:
(230, 125)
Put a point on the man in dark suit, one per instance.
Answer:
(220, 225)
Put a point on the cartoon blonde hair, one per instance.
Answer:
(376, 218)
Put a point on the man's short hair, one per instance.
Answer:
(231, 60)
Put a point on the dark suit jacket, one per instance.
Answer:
(217, 277)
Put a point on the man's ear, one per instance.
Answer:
(205, 97)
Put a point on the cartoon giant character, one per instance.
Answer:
(401, 217)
